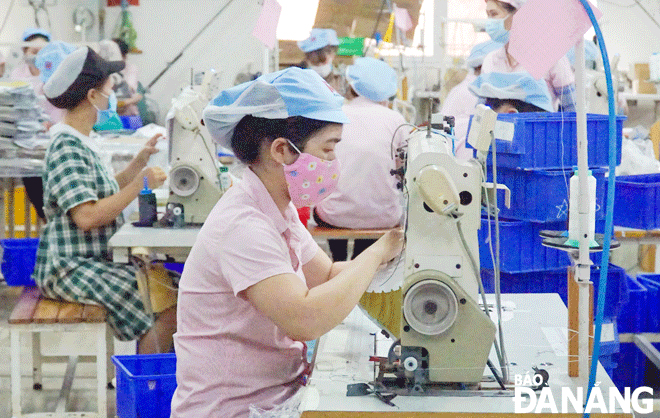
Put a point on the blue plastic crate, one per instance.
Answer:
(542, 195)
(556, 281)
(520, 246)
(609, 363)
(632, 316)
(132, 122)
(633, 369)
(18, 260)
(549, 140)
(652, 284)
(145, 385)
(641, 192)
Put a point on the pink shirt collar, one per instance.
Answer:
(254, 187)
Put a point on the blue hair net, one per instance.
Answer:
(278, 95)
(50, 57)
(319, 38)
(36, 31)
(513, 86)
(479, 52)
(372, 78)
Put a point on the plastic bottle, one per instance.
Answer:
(147, 205)
(574, 209)
(225, 179)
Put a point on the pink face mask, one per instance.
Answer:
(310, 179)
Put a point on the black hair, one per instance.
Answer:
(35, 36)
(318, 56)
(506, 6)
(82, 95)
(520, 106)
(123, 46)
(251, 132)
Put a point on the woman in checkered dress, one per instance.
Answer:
(83, 204)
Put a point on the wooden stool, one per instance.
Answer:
(35, 314)
(350, 234)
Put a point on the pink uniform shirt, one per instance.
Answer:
(229, 355)
(460, 103)
(559, 76)
(366, 196)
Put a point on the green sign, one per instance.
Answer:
(350, 46)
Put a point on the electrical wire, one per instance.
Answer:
(475, 271)
(394, 136)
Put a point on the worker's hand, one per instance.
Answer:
(155, 175)
(148, 150)
(390, 245)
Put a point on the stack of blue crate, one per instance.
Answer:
(536, 166)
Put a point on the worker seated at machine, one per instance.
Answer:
(512, 92)
(367, 195)
(460, 101)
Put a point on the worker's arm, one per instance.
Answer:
(94, 214)
(305, 314)
(320, 269)
(138, 163)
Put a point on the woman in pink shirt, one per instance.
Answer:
(560, 78)
(255, 285)
(367, 195)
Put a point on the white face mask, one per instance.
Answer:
(322, 70)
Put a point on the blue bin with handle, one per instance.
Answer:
(18, 259)
(145, 385)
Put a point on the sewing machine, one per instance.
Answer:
(194, 176)
(445, 336)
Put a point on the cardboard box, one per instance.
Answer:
(641, 75)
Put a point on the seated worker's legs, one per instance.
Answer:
(361, 245)
(338, 249)
(114, 286)
(159, 336)
(34, 190)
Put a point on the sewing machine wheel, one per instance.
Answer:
(184, 180)
(430, 307)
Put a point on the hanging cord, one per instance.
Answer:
(609, 211)
(504, 363)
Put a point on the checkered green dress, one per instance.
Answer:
(75, 265)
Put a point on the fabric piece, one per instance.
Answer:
(402, 19)
(545, 30)
(22, 73)
(75, 265)
(266, 27)
(366, 195)
(229, 355)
